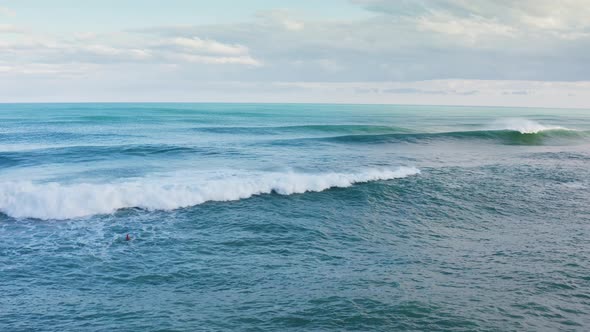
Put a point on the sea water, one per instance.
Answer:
(273, 217)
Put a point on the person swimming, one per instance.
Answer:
(127, 238)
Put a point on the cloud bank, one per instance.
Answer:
(401, 51)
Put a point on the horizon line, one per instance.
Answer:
(284, 103)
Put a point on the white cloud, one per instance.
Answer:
(109, 51)
(546, 22)
(122, 48)
(197, 44)
(10, 28)
(36, 69)
(293, 25)
(285, 19)
(563, 18)
(471, 27)
(216, 60)
(6, 12)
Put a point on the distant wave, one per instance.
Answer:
(324, 128)
(85, 153)
(522, 126)
(65, 201)
(508, 131)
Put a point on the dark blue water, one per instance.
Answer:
(293, 217)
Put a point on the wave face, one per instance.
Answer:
(506, 131)
(508, 137)
(60, 201)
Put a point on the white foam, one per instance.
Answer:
(65, 201)
(523, 126)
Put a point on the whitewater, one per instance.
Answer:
(524, 126)
(56, 201)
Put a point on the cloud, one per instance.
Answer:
(424, 43)
(205, 59)
(42, 69)
(471, 27)
(117, 85)
(283, 18)
(7, 12)
(504, 16)
(411, 91)
(517, 92)
(123, 48)
(105, 51)
(289, 54)
(10, 28)
(196, 44)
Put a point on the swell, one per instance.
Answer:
(97, 153)
(279, 130)
(65, 201)
(511, 137)
(22, 135)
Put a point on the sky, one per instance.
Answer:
(443, 52)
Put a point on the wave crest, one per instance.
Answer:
(60, 201)
(524, 126)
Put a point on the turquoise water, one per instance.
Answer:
(293, 217)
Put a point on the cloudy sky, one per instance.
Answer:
(461, 52)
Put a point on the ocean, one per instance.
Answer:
(293, 217)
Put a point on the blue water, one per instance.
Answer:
(265, 217)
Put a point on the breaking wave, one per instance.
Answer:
(507, 131)
(524, 126)
(66, 201)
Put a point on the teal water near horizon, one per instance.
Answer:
(293, 217)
